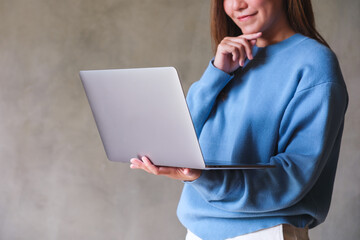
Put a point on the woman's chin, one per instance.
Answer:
(248, 30)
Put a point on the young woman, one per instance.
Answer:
(273, 93)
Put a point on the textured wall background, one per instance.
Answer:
(55, 181)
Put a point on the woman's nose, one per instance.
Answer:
(239, 4)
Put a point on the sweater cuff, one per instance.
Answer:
(218, 71)
(214, 77)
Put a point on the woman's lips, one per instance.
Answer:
(245, 17)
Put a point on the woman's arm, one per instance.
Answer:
(230, 55)
(202, 95)
(309, 138)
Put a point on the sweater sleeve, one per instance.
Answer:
(309, 137)
(207, 89)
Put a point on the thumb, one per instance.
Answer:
(187, 171)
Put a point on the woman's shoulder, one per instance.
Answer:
(315, 52)
(318, 64)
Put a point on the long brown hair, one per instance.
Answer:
(299, 13)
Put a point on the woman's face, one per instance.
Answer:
(253, 16)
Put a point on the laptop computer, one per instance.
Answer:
(143, 112)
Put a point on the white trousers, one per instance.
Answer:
(279, 232)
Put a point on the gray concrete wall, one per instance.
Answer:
(55, 181)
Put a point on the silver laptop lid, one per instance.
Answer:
(143, 112)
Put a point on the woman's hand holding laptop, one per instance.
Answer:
(184, 174)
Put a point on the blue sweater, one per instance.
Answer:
(285, 107)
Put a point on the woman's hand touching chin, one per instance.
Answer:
(232, 51)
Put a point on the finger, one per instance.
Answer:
(186, 171)
(251, 36)
(135, 163)
(227, 47)
(248, 51)
(138, 164)
(235, 49)
(134, 166)
(151, 167)
(246, 45)
(235, 55)
(142, 167)
(191, 174)
(242, 56)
